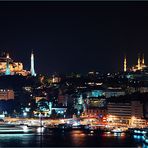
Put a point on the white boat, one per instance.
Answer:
(117, 130)
(7, 129)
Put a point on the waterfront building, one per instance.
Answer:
(95, 112)
(137, 109)
(119, 112)
(126, 112)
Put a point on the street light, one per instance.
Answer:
(25, 114)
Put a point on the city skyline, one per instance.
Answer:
(68, 37)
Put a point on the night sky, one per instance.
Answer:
(74, 36)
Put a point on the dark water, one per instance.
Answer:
(70, 138)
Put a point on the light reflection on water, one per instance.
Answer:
(69, 138)
(78, 137)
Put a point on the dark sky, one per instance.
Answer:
(74, 36)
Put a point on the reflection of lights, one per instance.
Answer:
(91, 131)
(40, 129)
(137, 136)
(117, 134)
(109, 134)
(76, 132)
(144, 145)
(78, 135)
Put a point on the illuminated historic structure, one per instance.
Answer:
(9, 67)
(32, 71)
(140, 64)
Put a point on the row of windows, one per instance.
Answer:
(120, 113)
(119, 110)
(96, 111)
(119, 106)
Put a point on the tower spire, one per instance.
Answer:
(32, 71)
(143, 59)
(125, 64)
(139, 63)
(7, 72)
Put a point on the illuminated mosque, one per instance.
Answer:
(9, 67)
(139, 67)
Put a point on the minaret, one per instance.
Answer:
(7, 72)
(32, 71)
(143, 59)
(125, 62)
(139, 63)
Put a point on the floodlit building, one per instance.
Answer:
(95, 112)
(140, 66)
(9, 67)
(119, 112)
(126, 112)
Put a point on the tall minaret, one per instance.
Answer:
(143, 59)
(125, 64)
(139, 63)
(32, 71)
(7, 72)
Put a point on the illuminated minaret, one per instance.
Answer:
(7, 72)
(125, 62)
(32, 71)
(139, 63)
(143, 59)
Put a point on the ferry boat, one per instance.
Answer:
(116, 130)
(9, 129)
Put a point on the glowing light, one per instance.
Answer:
(24, 114)
(76, 124)
(25, 128)
(32, 65)
(125, 64)
(40, 129)
(91, 131)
